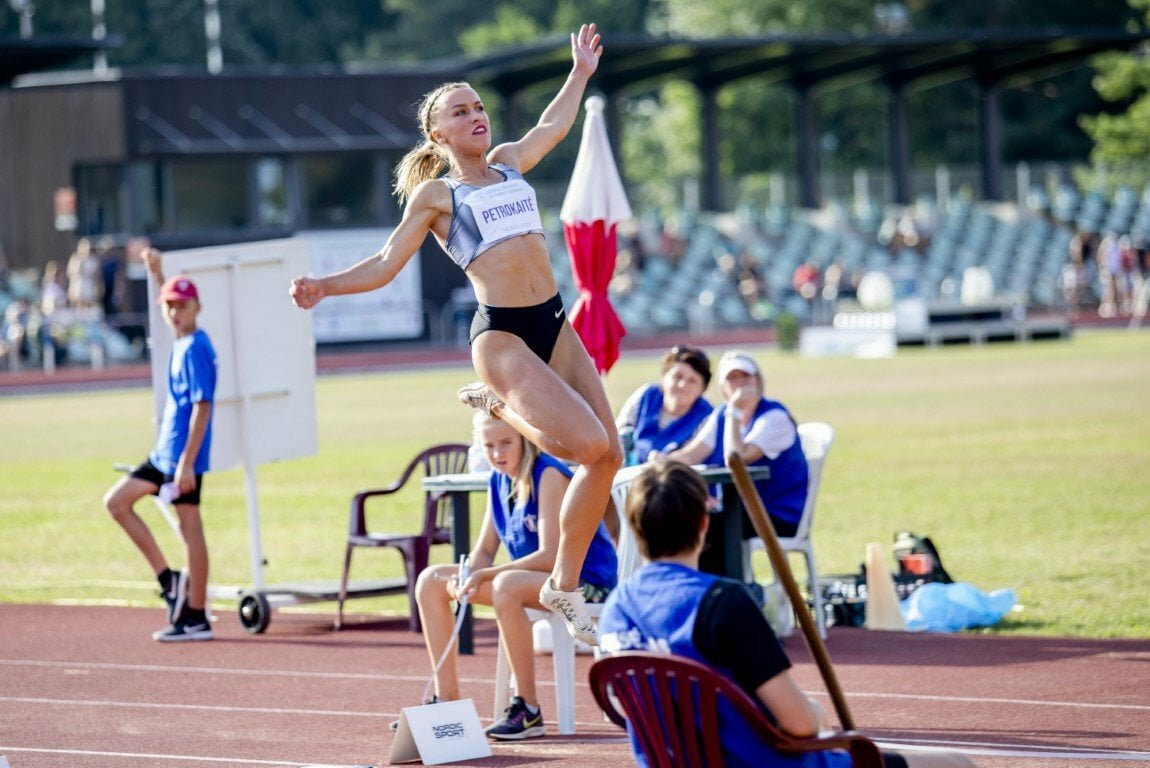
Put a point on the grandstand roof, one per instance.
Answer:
(832, 59)
(992, 58)
(20, 56)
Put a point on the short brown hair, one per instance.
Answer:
(666, 508)
(695, 358)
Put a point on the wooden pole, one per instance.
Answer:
(754, 506)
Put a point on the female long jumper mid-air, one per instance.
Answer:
(535, 373)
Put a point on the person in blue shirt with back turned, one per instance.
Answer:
(524, 497)
(175, 468)
(669, 606)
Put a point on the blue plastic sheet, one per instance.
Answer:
(938, 607)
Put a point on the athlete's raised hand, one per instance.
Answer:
(586, 48)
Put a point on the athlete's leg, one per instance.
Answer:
(564, 410)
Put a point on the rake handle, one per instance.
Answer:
(758, 514)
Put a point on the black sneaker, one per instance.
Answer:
(517, 722)
(175, 594)
(394, 724)
(184, 631)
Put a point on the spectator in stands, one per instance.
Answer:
(1125, 279)
(1073, 279)
(764, 433)
(111, 278)
(668, 605)
(754, 288)
(671, 245)
(665, 415)
(21, 327)
(1109, 259)
(638, 251)
(53, 289)
(5, 274)
(807, 282)
(524, 497)
(54, 314)
(85, 282)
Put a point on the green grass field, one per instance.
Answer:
(1026, 464)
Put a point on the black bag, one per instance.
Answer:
(917, 556)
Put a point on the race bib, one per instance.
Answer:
(504, 210)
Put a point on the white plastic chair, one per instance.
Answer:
(816, 438)
(562, 644)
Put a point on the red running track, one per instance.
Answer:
(86, 686)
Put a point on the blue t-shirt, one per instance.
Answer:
(191, 379)
(670, 608)
(650, 437)
(518, 525)
(784, 493)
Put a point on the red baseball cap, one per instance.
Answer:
(179, 288)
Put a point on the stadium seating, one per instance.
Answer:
(1024, 249)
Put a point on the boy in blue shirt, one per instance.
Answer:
(669, 605)
(174, 469)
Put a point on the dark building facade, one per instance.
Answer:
(189, 160)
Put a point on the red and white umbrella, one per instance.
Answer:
(594, 206)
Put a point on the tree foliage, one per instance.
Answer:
(1122, 135)
(661, 127)
(253, 32)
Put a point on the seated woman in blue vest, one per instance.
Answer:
(665, 415)
(669, 605)
(764, 433)
(523, 500)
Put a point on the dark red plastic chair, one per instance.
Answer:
(672, 704)
(446, 459)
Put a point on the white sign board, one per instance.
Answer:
(392, 312)
(264, 347)
(444, 732)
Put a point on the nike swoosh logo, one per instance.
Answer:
(558, 314)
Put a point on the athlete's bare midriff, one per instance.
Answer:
(514, 273)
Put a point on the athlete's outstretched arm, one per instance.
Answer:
(380, 269)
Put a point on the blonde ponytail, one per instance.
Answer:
(417, 166)
(426, 161)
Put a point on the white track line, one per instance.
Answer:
(148, 756)
(229, 671)
(994, 700)
(421, 678)
(195, 707)
(990, 749)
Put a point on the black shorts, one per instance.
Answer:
(538, 326)
(149, 473)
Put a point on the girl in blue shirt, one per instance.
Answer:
(525, 493)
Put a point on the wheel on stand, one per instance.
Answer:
(255, 612)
